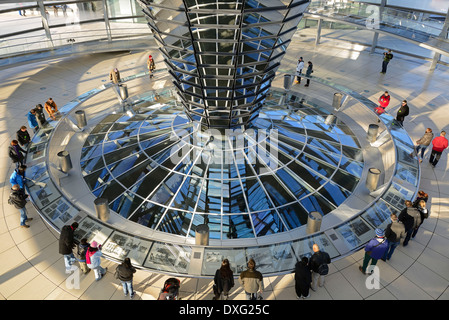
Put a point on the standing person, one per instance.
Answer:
(402, 112)
(303, 278)
(384, 101)
(424, 214)
(394, 232)
(151, 65)
(423, 143)
(18, 177)
(18, 199)
(318, 263)
(251, 280)
(16, 153)
(411, 218)
(125, 273)
(421, 196)
(438, 145)
(81, 255)
(374, 250)
(114, 76)
(387, 58)
(40, 116)
(23, 137)
(309, 72)
(223, 280)
(67, 244)
(51, 108)
(299, 68)
(93, 260)
(32, 120)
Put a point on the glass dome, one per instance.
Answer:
(159, 169)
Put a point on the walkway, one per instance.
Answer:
(32, 269)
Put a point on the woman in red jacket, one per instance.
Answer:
(384, 101)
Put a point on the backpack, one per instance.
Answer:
(323, 269)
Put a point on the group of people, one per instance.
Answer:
(17, 151)
(114, 75)
(403, 227)
(300, 67)
(308, 274)
(439, 144)
(89, 255)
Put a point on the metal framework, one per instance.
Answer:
(222, 54)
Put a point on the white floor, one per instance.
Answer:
(32, 269)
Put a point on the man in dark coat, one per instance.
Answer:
(16, 153)
(23, 136)
(402, 112)
(67, 244)
(303, 278)
(411, 218)
(318, 264)
(18, 199)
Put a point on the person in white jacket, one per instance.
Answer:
(299, 68)
(93, 260)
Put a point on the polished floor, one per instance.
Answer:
(32, 269)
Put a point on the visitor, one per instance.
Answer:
(125, 273)
(51, 108)
(18, 199)
(23, 137)
(318, 264)
(81, 255)
(223, 281)
(18, 177)
(439, 144)
(16, 153)
(411, 218)
(114, 76)
(402, 112)
(299, 68)
(67, 244)
(394, 232)
(151, 65)
(423, 143)
(309, 72)
(303, 278)
(32, 120)
(93, 260)
(252, 281)
(386, 60)
(374, 250)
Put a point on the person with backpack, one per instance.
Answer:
(251, 280)
(318, 263)
(125, 273)
(394, 232)
(223, 280)
(374, 250)
(16, 153)
(81, 255)
(18, 199)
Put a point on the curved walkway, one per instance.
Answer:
(32, 269)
